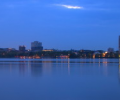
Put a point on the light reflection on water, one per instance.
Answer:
(59, 79)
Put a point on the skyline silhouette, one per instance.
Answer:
(60, 24)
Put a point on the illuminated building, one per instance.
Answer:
(93, 55)
(22, 48)
(47, 50)
(63, 56)
(104, 54)
(36, 46)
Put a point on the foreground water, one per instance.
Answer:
(59, 79)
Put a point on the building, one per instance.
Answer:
(7, 49)
(110, 50)
(22, 48)
(119, 44)
(11, 49)
(48, 50)
(36, 46)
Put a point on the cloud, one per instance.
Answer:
(71, 7)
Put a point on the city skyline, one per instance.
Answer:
(37, 46)
(60, 49)
(71, 24)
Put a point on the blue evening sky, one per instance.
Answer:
(60, 24)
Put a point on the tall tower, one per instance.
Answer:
(119, 45)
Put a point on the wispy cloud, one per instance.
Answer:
(69, 6)
(72, 7)
(98, 6)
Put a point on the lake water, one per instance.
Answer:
(59, 79)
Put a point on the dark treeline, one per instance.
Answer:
(58, 54)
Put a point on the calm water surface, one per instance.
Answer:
(59, 79)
